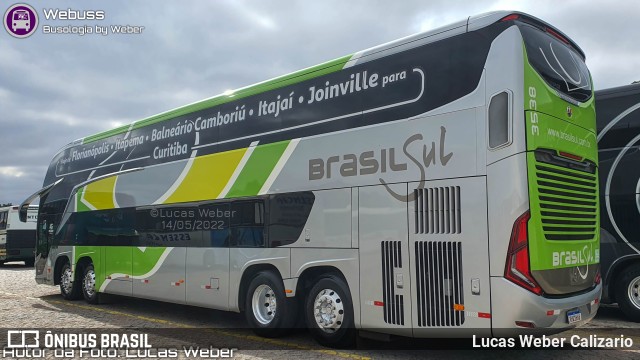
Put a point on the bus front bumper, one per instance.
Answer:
(511, 304)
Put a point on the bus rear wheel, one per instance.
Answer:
(29, 263)
(267, 309)
(69, 288)
(89, 284)
(628, 292)
(329, 313)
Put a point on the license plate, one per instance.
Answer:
(574, 316)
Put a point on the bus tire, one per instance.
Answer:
(267, 309)
(69, 288)
(29, 263)
(628, 292)
(89, 291)
(329, 313)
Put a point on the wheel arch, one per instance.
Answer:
(311, 274)
(614, 271)
(57, 268)
(248, 274)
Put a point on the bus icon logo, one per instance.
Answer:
(20, 20)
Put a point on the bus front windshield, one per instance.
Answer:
(21, 16)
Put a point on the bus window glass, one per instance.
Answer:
(174, 226)
(215, 224)
(3, 220)
(288, 214)
(247, 223)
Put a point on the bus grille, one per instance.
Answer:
(568, 202)
(437, 210)
(439, 283)
(393, 305)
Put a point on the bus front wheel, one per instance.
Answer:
(89, 285)
(628, 292)
(329, 313)
(69, 288)
(269, 312)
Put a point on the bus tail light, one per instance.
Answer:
(557, 35)
(598, 278)
(510, 17)
(517, 269)
(526, 324)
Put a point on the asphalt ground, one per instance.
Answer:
(169, 327)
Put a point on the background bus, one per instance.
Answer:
(17, 239)
(444, 184)
(618, 141)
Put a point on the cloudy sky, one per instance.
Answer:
(58, 88)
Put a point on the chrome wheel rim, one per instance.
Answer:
(264, 304)
(328, 311)
(634, 291)
(90, 283)
(67, 280)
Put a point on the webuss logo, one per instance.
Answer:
(20, 20)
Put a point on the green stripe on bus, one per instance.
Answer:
(285, 80)
(257, 170)
(80, 206)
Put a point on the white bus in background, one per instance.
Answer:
(17, 239)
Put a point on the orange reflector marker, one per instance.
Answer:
(288, 291)
(458, 307)
(181, 281)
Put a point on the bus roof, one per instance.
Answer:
(618, 91)
(17, 207)
(469, 24)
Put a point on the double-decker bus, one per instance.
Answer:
(444, 184)
(618, 115)
(17, 239)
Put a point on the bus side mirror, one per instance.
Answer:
(24, 207)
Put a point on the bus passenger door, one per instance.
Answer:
(118, 269)
(160, 272)
(385, 278)
(208, 265)
(115, 229)
(448, 241)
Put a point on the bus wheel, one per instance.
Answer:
(269, 312)
(69, 288)
(89, 285)
(29, 263)
(628, 292)
(329, 313)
